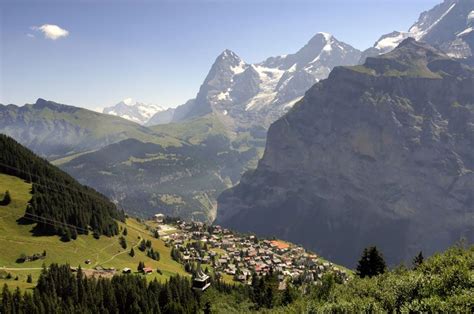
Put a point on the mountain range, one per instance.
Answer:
(181, 167)
(56, 130)
(378, 154)
(251, 96)
(135, 111)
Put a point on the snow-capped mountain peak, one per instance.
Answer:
(257, 94)
(128, 101)
(132, 110)
(445, 26)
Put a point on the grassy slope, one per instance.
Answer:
(16, 239)
(95, 127)
(193, 131)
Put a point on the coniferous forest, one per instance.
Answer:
(59, 204)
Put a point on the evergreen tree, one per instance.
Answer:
(125, 232)
(141, 266)
(123, 243)
(371, 263)
(6, 199)
(142, 246)
(66, 237)
(418, 260)
(29, 279)
(132, 252)
(207, 308)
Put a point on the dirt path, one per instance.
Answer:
(114, 256)
(20, 268)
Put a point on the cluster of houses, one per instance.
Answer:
(241, 256)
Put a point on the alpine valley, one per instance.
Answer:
(184, 157)
(328, 180)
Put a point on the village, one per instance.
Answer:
(240, 256)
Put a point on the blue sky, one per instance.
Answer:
(161, 51)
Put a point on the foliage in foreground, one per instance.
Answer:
(442, 283)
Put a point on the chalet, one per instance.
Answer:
(147, 270)
(126, 270)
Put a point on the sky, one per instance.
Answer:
(95, 53)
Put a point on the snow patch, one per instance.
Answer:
(269, 78)
(327, 36)
(327, 47)
(128, 101)
(290, 104)
(239, 68)
(470, 16)
(223, 96)
(466, 31)
(390, 43)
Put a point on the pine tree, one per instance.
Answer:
(29, 279)
(125, 232)
(371, 263)
(73, 233)
(207, 308)
(6, 199)
(132, 252)
(123, 243)
(142, 246)
(140, 267)
(418, 260)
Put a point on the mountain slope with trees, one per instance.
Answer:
(59, 204)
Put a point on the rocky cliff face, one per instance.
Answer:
(380, 154)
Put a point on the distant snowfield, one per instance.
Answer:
(134, 111)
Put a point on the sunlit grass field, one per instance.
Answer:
(16, 239)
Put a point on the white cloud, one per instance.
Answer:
(30, 35)
(51, 31)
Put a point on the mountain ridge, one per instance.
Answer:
(56, 130)
(245, 95)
